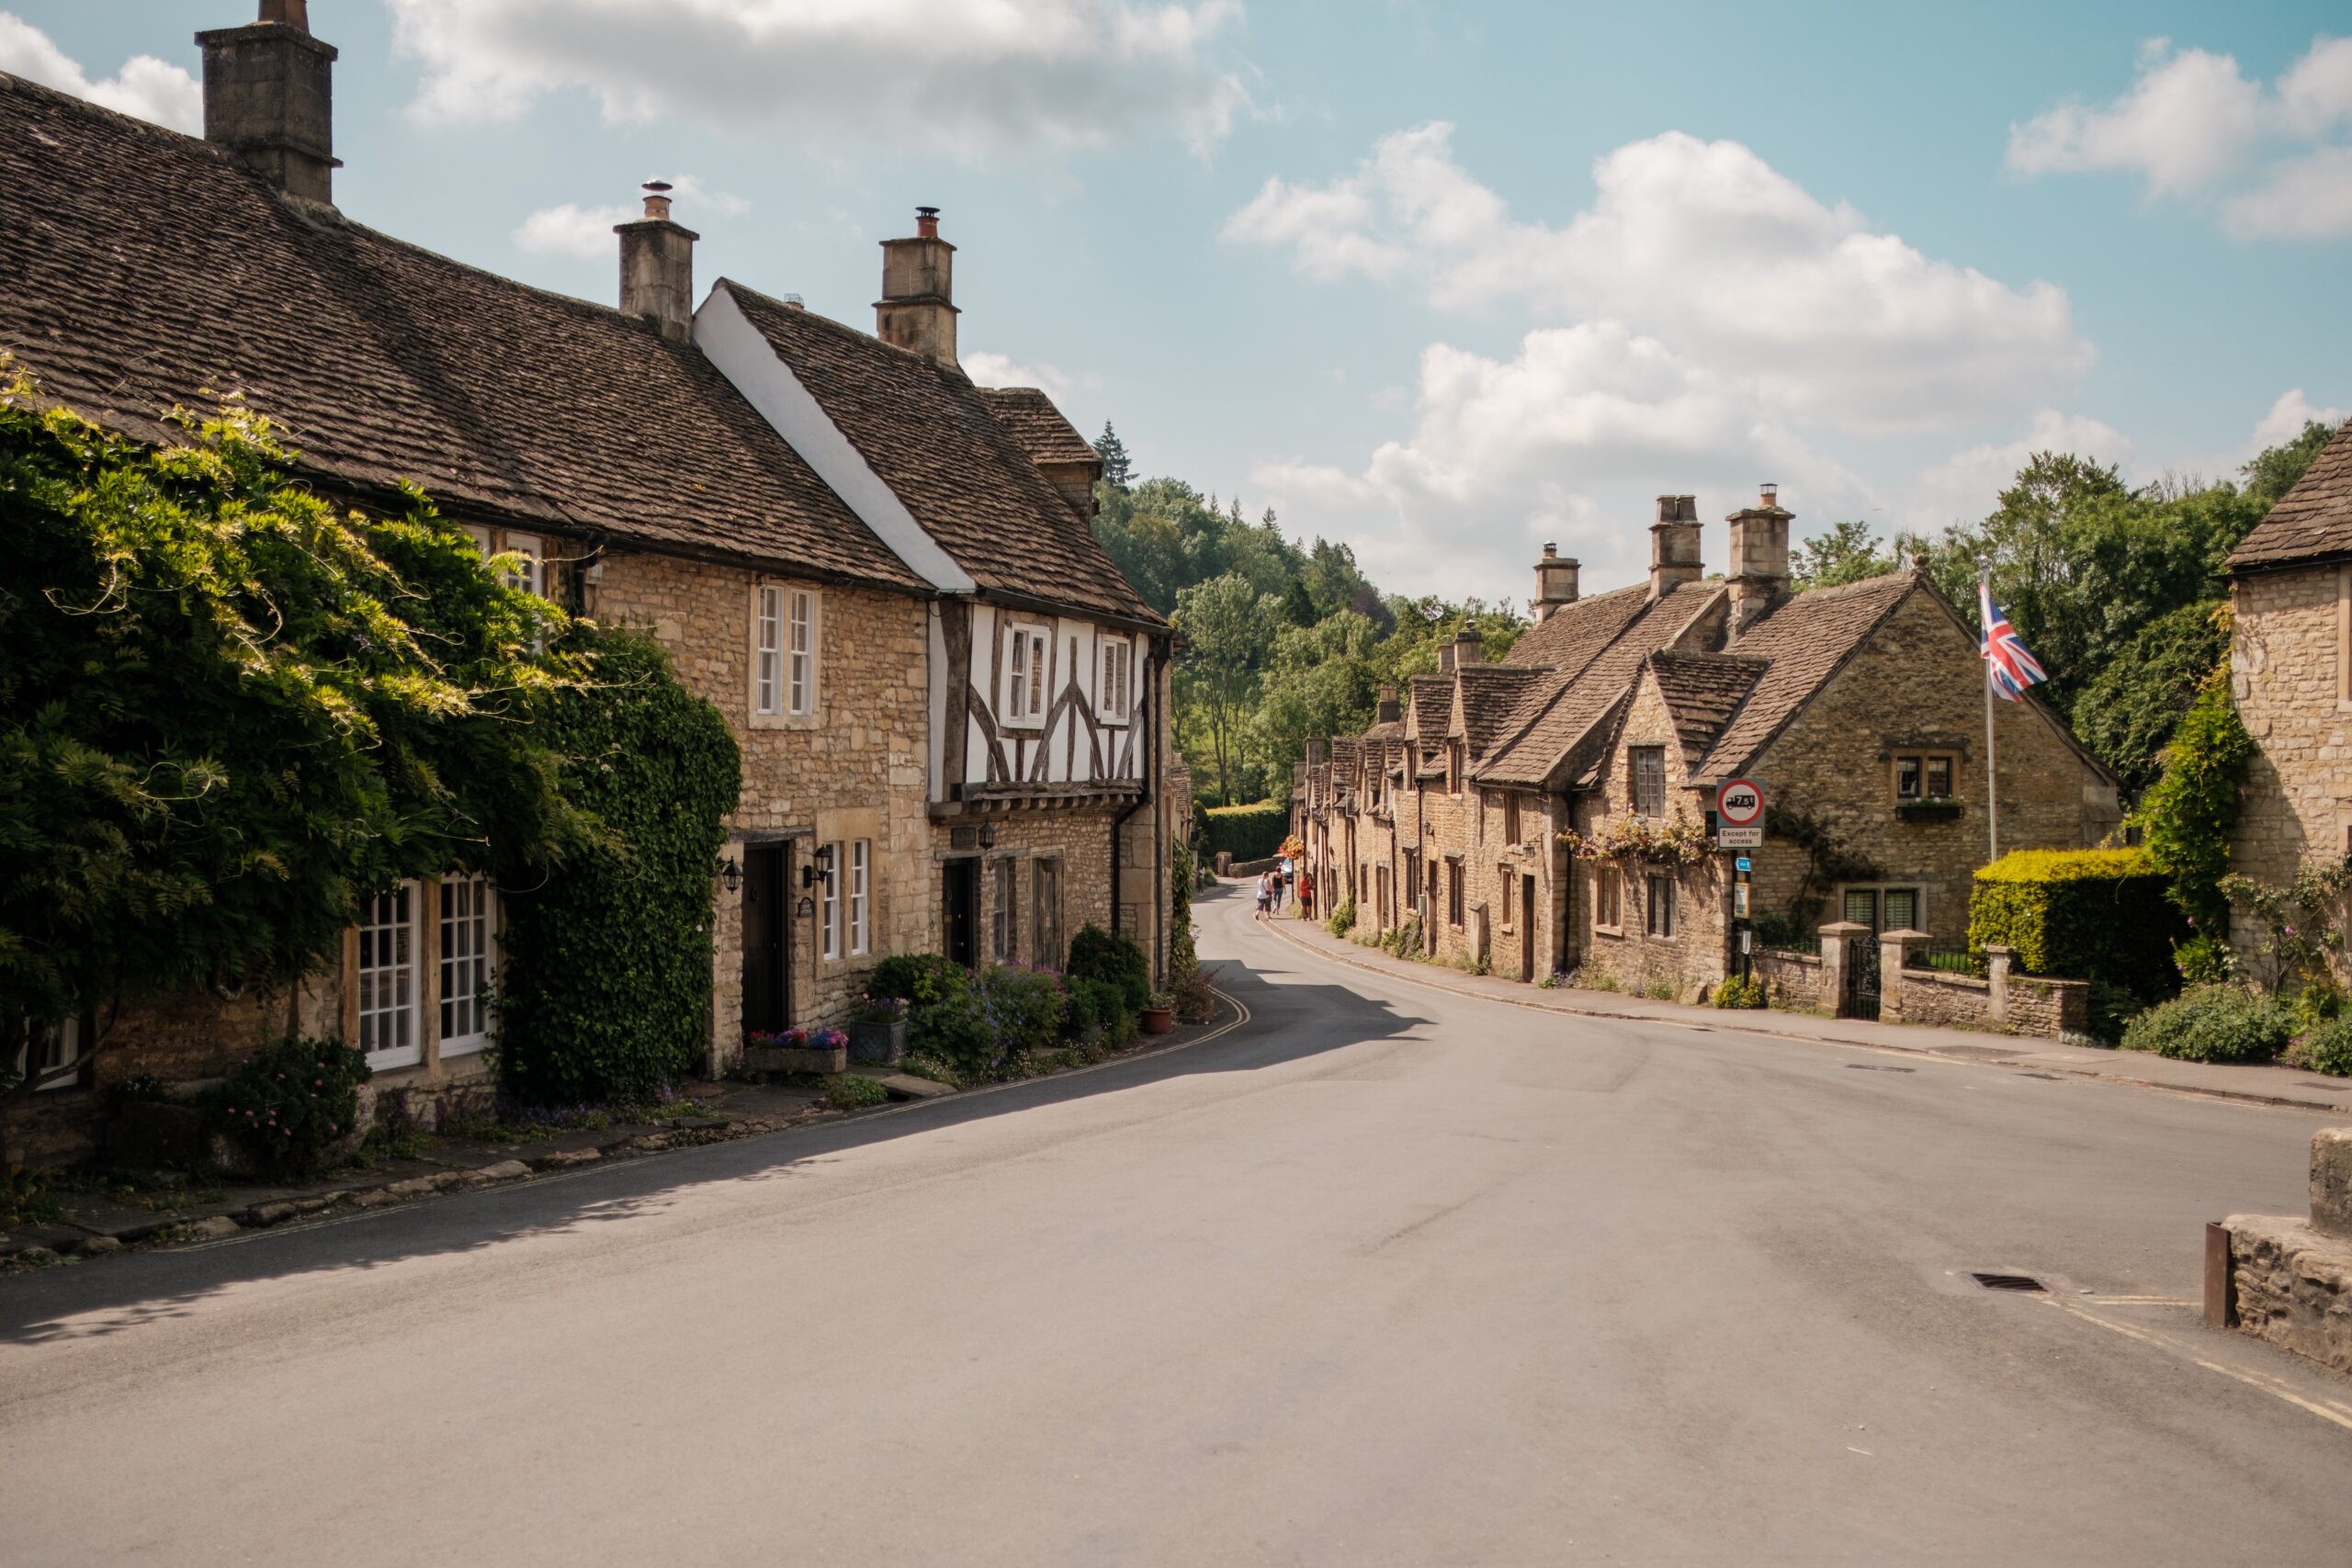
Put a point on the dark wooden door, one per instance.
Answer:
(767, 937)
(959, 922)
(1527, 927)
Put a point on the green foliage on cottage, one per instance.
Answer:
(2099, 915)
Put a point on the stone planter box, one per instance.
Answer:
(1928, 811)
(878, 1043)
(796, 1059)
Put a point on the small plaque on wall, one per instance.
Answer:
(963, 838)
(807, 906)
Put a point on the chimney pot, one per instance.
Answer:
(287, 13)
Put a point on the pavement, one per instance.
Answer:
(1382, 1275)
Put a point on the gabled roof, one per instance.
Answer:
(1490, 694)
(147, 269)
(1563, 727)
(1429, 698)
(1039, 427)
(1576, 633)
(933, 438)
(1806, 641)
(1702, 691)
(2313, 521)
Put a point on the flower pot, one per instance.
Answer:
(878, 1043)
(796, 1059)
(1159, 1021)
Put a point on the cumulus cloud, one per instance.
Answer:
(943, 75)
(145, 86)
(2287, 418)
(989, 370)
(571, 230)
(1708, 247)
(2193, 126)
(1966, 486)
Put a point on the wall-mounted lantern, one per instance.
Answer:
(731, 875)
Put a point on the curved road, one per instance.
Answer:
(1386, 1276)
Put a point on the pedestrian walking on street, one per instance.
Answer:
(1265, 894)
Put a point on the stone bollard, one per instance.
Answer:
(1833, 987)
(1895, 951)
(1997, 960)
(2332, 1183)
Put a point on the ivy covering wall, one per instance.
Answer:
(608, 961)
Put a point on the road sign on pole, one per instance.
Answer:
(1739, 803)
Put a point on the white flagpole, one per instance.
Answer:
(1992, 755)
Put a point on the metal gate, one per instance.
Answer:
(1861, 977)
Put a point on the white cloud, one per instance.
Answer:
(2287, 418)
(1966, 486)
(988, 369)
(571, 230)
(2193, 126)
(145, 86)
(945, 75)
(1707, 246)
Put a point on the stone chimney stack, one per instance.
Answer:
(1760, 559)
(917, 309)
(1674, 544)
(1556, 583)
(658, 266)
(1468, 647)
(270, 99)
(1390, 710)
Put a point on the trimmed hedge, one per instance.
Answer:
(1248, 832)
(2080, 915)
(2213, 1023)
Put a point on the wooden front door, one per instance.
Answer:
(767, 937)
(959, 919)
(1527, 927)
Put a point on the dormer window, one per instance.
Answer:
(1025, 655)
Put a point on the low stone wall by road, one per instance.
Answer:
(1791, 979)
(2289, 1281)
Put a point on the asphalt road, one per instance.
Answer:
(1383, 1277)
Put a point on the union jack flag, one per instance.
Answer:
(2012, 669)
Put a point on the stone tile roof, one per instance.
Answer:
(147, 269)
(1039, 427)
(1490, 694)
(1563, 725)
(1805, 641)
(1702, 691)
(933, 438)
(2313, 521)
(1576, 633)
(1432, 700)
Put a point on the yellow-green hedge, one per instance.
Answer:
(2080, 914)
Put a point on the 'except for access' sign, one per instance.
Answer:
(1739, 803)
(1739, 838)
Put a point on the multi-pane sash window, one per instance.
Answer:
(1661, 909)
(1902, 906)
(529, 573)
(47, 1056)
(387, 979)
(1113, 706)
(1649, 779)
(767, 659)
(1004, 931)
(1609, 898)
(1047, 901)
(1024, 687)
(802, 686)
(861, 866)
(465, 971)
(829, 909)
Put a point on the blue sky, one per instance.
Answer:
(1443, 281)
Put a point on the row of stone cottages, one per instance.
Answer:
(952, 708)
(1858, 710)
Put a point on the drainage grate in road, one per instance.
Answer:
(2009, 1281)
(1878, 1067)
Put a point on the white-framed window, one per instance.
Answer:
(800, 689)
(1116, 691)
(860, 900)
(529, 573)
(828, 905)
(1025, 657)
(387, 979)
(469, 963)
(767, 651)
(50, 1054)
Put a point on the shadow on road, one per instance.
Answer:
(1287, 1021)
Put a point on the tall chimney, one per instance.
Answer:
(1674, 544)
(1556, 583)
(270, 99)
(917, 309)
(1759, 558)
(1467, 647)
(1390, 710)
(658, 266)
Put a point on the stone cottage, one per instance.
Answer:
(1564, 797)
(813, 520)
(2291, 670)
